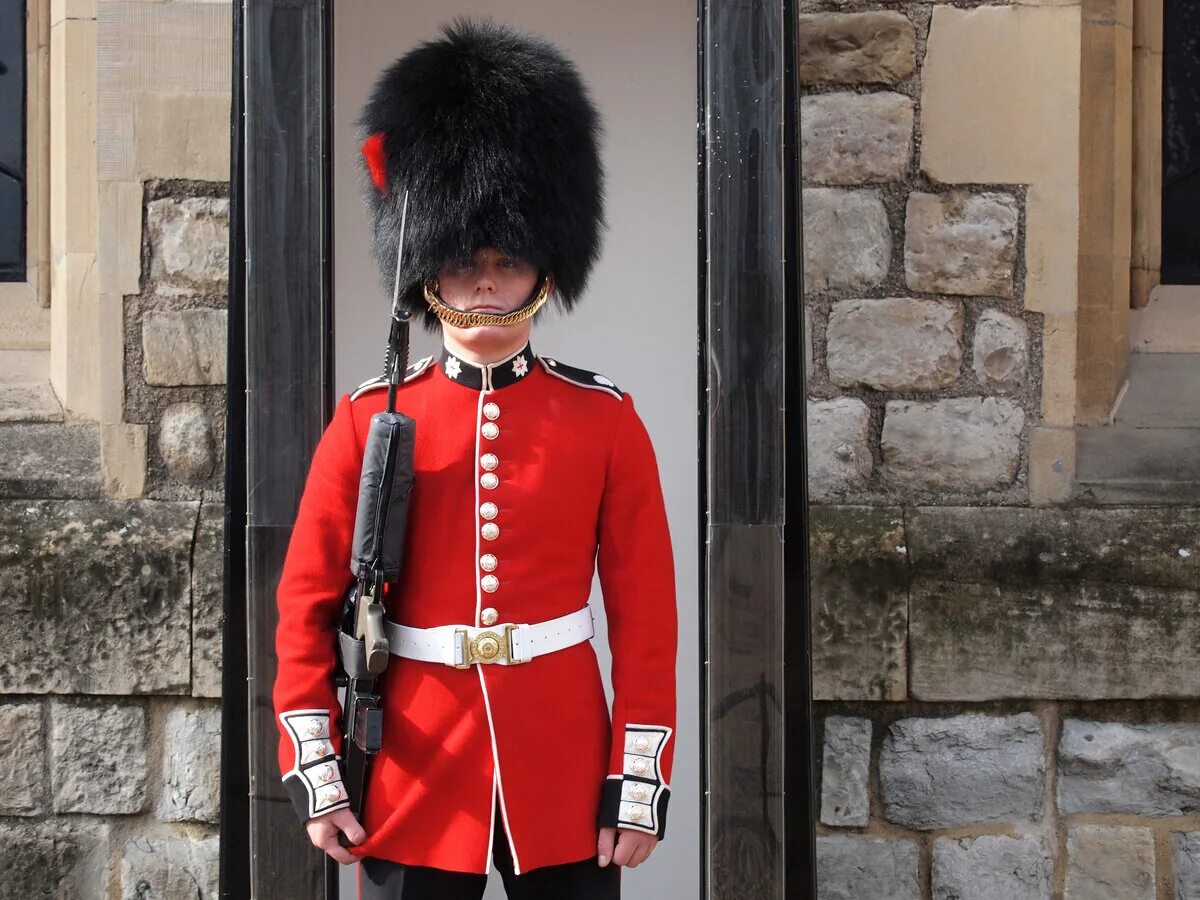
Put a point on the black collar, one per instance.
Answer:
(492, 376)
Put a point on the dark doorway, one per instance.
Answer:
(1181, 143)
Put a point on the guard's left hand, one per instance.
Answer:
(632, 847)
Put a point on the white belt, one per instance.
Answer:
(505, 643)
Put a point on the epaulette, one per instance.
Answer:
(380, 381)
(580, 377)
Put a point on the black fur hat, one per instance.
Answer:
(493, 134)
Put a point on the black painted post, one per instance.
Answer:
(759, 822)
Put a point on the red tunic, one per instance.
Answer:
(570, 468)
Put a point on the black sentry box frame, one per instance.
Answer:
(756, 793)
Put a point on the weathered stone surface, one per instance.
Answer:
(106, 583)
(1104, 863)
(208, 601)
(189, 240)
(894, 343)
(191, 766)
(849, 138)
(960, 243)
(847, 239)
(845, 770)
(991, 867)
(1185, 853)
(855, 867)
(184, 347)
(52, 860)
(859, 581)
(155, 868)
(839, 457)
(185, 441)
(1000, 353)
(963, 770)
(1151, 547)
(855, 48)
(22, 749)
(98, 757)
(1114, 767)
(960, 445)
(972, 641)
(50, 460)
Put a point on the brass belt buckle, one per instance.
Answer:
(487, 647)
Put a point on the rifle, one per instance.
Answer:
(376, 559)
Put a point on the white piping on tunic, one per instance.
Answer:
(497, 781)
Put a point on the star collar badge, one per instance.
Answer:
(520, 366)
(453, 367)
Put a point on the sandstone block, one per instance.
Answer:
(849, 138)
(894, 344)
(208, 601)
(98, 757)
(22, 750)
(191, 789)
(991, 867)
(185, 347)
(1000, 353)
(839, 457)
(854, 867)
(960, 445)
(845, 771)
(168, 867)
(963, 770)
(847, 239)
(855, 48)
(1185, 852)
(189, 239)
(52, 859)
(185, 442)
(960, 243)
(1104, 863)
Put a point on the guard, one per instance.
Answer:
(530, 476)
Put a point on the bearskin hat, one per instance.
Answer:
(492, 133)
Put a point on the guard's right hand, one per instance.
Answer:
(324, 830)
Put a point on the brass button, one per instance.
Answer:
(642, 743)
(486, 646)
(489, 510)
(491, 584)
(491, 410)
(489, 461)
(327, 774)
(639, 792)
(489, 616)
(315, 729)
(489, 480)
(639, 767)
(636, 814)
(490, 430)
(490, 531)
(488, 562)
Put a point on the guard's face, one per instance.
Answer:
(489, 282)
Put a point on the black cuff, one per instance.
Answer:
(634, 803)
(315, 785)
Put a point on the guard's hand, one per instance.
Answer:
(632, 847)
(323, 831)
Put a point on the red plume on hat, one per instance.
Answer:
(492, 133)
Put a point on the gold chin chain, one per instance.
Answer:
(462, 319)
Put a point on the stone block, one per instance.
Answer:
(123, 460)
(106, 583)
(894, 344)
(859, 578)
(1051, 465)
(120, 257)
(1000, 352)
(960, 445)
(991, 867)
(22, 751)
(189, 242)
(847, 239)
(191, 790)
(962, 770)
(1012, 545)
(855, 48)
(855, 867)
(845, 772)
(49, 860)
(960, 243)
(187, 347)
(181, 134)
(1104, 863)
(1117, 767)
(97, 757)
(1185, 853)
(839, 457)
(161, 868)
(185, 442)
(971, 641)
(208, 601)
(849, 138)
(50, 460)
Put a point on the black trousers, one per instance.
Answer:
(382, 879)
